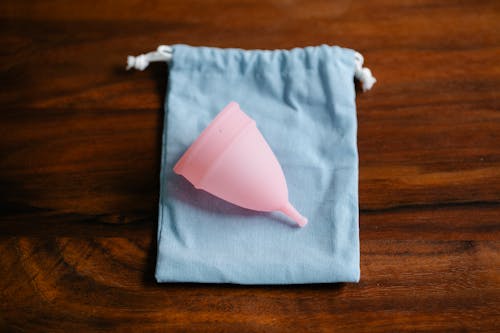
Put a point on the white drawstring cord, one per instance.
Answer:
(363, 74)
(164, 53)
(141, 62)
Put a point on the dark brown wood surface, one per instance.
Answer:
(80, 153)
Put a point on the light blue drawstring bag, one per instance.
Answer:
(303, 101)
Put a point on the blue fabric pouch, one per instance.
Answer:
(303, 101)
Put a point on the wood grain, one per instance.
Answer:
(80, 153)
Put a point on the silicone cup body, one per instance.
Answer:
(231, 160)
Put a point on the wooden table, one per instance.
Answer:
(80, 157)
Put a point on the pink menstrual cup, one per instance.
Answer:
(232, 160)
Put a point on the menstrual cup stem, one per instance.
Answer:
(291, 212)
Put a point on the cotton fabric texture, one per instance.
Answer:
(303, 101)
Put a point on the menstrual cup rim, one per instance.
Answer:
(241, 132)
(204, 138)
(200, 140)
